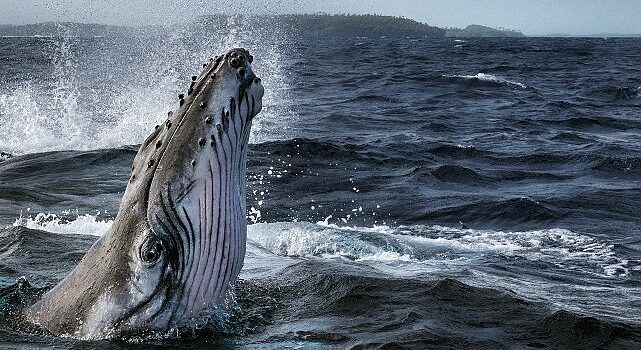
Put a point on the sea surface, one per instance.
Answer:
(403, 192)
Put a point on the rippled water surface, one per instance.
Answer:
(403, 193)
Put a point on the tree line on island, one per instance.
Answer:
(378, 25)
(307, 25)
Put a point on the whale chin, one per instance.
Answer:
(178, 241)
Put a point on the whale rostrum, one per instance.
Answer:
(177, 243)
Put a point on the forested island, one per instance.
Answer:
(479, 31)
(323, 25)
(306, 25)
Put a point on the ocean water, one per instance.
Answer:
(403, 192)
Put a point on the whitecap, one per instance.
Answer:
(85, 224)
(428, 245)
(488, 78)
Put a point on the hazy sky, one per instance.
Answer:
(531, 16)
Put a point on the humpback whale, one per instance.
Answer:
(177, 243)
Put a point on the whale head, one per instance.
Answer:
(178, 241)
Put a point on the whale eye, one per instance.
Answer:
(151, 255)
(150, 251)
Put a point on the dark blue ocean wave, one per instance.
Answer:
(451, 167)
(346, 292)
(593, 122)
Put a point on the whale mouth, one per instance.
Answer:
(178, 241)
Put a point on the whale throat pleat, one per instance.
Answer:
(208, 227)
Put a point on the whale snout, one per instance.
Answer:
(237, 63)
(234, 72)
(240, 61)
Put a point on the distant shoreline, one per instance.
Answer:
(314, 25)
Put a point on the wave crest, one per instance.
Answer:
(85, 224)
(484, 79)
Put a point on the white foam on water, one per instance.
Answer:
(85, 224)
(386, 256)
(419, 251)
(306, 239)
(489, 78)
(429, 245)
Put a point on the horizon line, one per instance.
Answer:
(170, 23)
